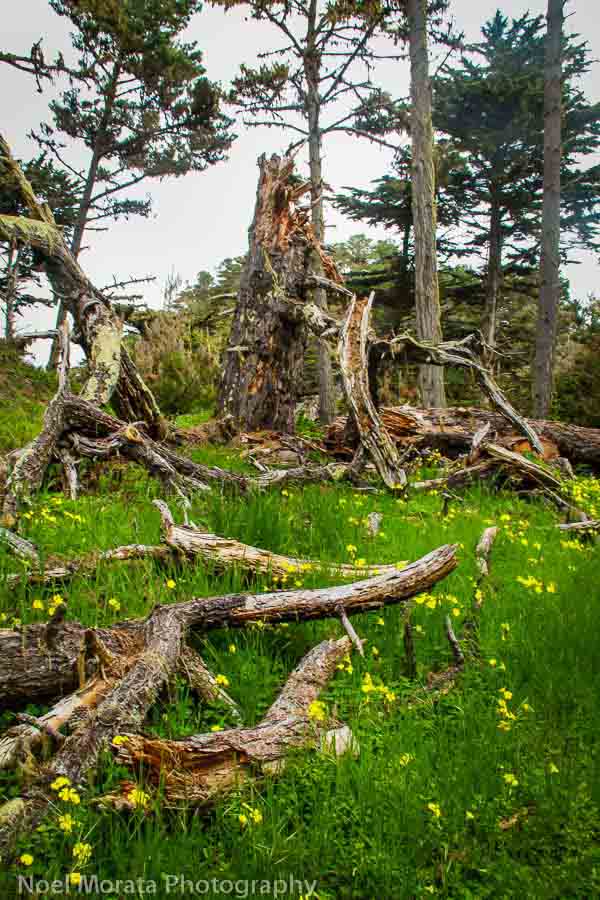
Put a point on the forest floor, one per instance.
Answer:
(489, 790)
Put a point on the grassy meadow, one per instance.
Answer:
(489, 790)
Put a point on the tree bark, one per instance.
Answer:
(550, 258)
(311, 70)
(263, 361)
(10, 294)
(98, 326)
(494, 278)
(427, 298)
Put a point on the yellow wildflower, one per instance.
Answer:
(170, 584)
(66, 822)
(119, 739)
(317, 711)
(82, 852)
(434, 808)
(60, 782)
(75, 878)
(26, 859)
(222, 679)
(138, 797)
(510, 779)
(69, 795)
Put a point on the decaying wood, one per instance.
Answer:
(470, 631)
(182, 543)
(453, 429)
(483, 549)
(200, 768)
(34, 667)
(355, 373)
(113, 375)
(263, 360)
(461, 354)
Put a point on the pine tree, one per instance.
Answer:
(490, 109)
(139, 102)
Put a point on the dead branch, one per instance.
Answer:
(354, 367)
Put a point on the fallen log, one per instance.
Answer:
(453, 429)
(200, 768)
(180, 543)
(37, 663)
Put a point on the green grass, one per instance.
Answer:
(362, 827)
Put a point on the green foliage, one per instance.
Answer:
(490, 110)
(179, 363)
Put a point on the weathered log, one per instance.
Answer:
(180, 542)
(37, 663)
(461, 354)
(223, 552)
(354, 366)
(200, 768)
(113, 374)
(122, 709)
(452, 430)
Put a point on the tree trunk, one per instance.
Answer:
(311, 69)
(263, 361)
(494, 278)
(10, 294)
(427, 298)
(550, 258)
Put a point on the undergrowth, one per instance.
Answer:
(490, 790)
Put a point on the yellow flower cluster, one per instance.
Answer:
(317, 711)
(368, 686)
(507, 716)
(82, 853)
(252, 817)
(586, 494)
(346, 665)
(534, 584)
(55, 601)
(138, 798)
(66, 793)
(435, 810)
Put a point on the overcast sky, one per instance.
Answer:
(202, 218)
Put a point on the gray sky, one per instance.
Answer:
(202, 218)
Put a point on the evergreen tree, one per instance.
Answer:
(19, 265)
(490, 108)
(139, 102)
